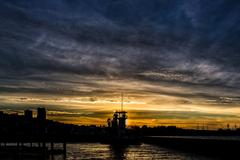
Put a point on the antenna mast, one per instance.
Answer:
(122, 102)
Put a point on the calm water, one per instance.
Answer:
(97, 151)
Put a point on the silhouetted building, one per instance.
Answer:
(115, 120)
(118, 123)
(41, 114)
(122, 119)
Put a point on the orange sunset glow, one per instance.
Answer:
(175, 63)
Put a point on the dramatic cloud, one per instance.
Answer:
(163, 54)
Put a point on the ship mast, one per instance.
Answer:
(118, 123)
(122, 102)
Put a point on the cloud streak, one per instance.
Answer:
(154, 49)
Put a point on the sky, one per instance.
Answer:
(175, 61)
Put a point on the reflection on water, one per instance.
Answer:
(98, 151)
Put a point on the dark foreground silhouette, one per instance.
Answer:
(37, 136)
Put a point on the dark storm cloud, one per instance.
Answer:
(162, 41)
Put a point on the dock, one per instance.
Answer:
(32, 149)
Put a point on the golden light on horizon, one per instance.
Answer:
(151, 110)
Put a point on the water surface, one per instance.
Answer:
(89, 151)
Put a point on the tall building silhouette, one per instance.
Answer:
(41, 114)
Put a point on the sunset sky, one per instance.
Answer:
(177, 62)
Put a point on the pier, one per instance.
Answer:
(26, 136)
(32, 148)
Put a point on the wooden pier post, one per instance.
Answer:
(52, 150)
(52, 146)
(64, 149)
